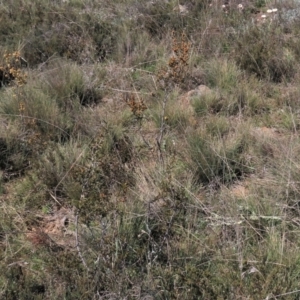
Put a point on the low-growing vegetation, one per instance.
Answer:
(148, 150)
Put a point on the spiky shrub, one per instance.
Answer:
(15, 155)
(223, 74)
(71, 85)
(176, 116)
(218, 162)
(86, 177)
(102, 177)
(45, 112)
(233, 91)
(262, 51)
(38, 114)
(217, 126)
(154, 18)
(84, 39)
(35, 121)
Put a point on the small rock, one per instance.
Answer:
(200, 91)
(182, 9)
(265, 132)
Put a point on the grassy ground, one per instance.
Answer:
(117, 181)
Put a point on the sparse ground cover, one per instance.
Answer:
(149, 150)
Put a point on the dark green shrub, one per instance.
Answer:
(57, 29)
(217, 162)
(154, 18)
(37, 114)
(262, 51)
(14, 155)
(71, 87)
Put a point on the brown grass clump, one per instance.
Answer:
(176, 72)
(11, 69)
(136, 107)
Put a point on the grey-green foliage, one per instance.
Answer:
(216, 161)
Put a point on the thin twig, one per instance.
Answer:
(161, 131)
(77, 243)
(72, 166)
(127, 91)
(54, 198)
(36, 119)
(154, 83)
(285, 294)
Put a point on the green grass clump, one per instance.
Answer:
(216, 161)
(261, 51)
